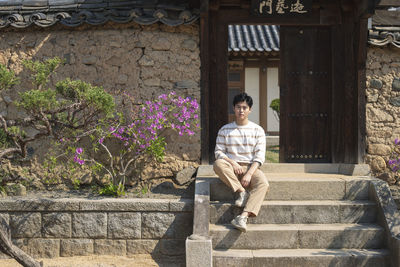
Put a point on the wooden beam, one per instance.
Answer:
(214, 5)
(389, 3)
(243, 16)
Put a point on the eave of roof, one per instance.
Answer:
(381, 36)
(45, 13)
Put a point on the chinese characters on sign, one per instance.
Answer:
(281, 7)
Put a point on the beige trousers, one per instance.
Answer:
(258, 187)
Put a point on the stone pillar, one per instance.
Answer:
(198, 252)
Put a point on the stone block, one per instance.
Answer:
(44, 248)
(358, 213)
(378, 115)
(152, 82)
(42, 204)
(76, 247)
(69, 58)
(125, 205)
(24, 225)
(122, 79)
(22, 243)
(184, 176)
(199, 253)
(4, 219)
(372, 97)
(396, 84)
(92, 225)
(14, 189)
(262, 236)
(186, 84)
(379, 149)
(378, 164)
(189, 44)
(110, 247)
(146, 61)
(182, 226)
(125, 225)
(89, 60)
(172, 247)
(181, 205)
(161, 43)
(357, 188)
(375, 83)
(114, 61)
(355, 236)
(205, 170)
(157, 225)
(307, 188)
(395, 101)
(56, 224)
(142, 246)
(354, 169)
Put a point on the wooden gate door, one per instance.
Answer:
(305, 88)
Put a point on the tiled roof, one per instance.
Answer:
(381, 36)
(253, 38)
(385, 27)
(44, 13)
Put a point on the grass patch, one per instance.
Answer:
(272, 154)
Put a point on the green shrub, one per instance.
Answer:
(275, 105)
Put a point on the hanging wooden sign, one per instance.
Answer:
(276, 8)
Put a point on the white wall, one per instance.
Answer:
(252, 88)
(272, 93)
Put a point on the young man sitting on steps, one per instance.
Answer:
(239, 152)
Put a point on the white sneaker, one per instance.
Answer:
(240, 223)
(242, 199)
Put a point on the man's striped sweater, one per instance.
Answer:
(241, 143)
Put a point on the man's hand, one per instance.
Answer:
(246, 180)
(237, 169)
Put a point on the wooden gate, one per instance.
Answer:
(305, 88)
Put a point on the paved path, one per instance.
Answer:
(97, 261)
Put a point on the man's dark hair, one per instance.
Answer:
(243, 97)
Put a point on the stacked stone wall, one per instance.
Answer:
(144, 61)
(48, 228)
(382, 109)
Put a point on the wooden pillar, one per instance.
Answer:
(218, 92)
(204, 81)
(361, 86)
(348, 94)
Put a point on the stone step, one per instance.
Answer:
(301, 257)
(299, 212)
(291, 236)
(303, 186)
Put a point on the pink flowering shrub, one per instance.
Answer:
(394, 161)
(142, 136)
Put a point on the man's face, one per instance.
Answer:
(242, 110)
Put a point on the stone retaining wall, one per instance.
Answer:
(47, 228)
(382, 109)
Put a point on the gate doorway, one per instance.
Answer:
(322, 73)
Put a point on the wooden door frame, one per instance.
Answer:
(348, 130)
(237, 84)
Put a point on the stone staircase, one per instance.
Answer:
(307, 219)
